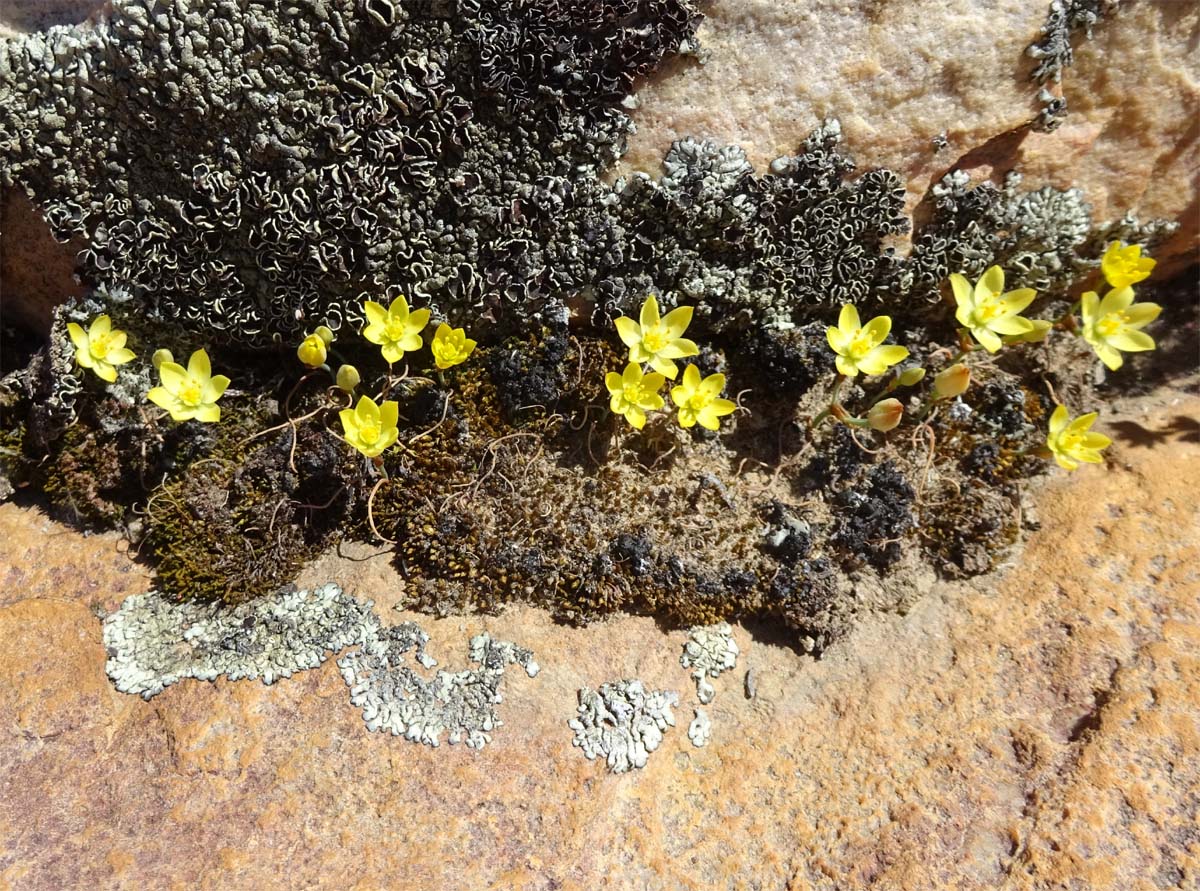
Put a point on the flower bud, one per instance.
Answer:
(885, 415)
(348, 378)
(952, 382)
(911, 376)
(161, 356)
(312, 351)
(325, 334)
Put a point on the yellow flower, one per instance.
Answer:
(161, 356)
(190, 392)
(658, 340)
(1070, 441)
(371, 428)
(450, 346)
(313, 351)
(1124, 266)
(1114, 324)
(395, 329)
(100, 348)
(988, 313)
(697, 399)
(858, 346)
(634, 393)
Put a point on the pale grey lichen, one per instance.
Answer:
(153, 642)
(1055, 54)
(700, 730)
(709, 651)
(461, 705)
(623, 723)
(1066, 17)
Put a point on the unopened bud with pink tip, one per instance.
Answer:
(885, 415)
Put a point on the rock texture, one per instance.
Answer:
(899, 74)
(1037, 730)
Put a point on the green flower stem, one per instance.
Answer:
(833, 403)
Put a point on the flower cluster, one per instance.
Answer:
(990, 318)
(657, 341)
(1114, 324)
(186, 393)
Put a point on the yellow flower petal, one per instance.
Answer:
(649, 315)
(399, 309)
(389, 414)
(173, 376)
(375, 313)
(990, 285)
(1111, 357)
(417, 320)
(1132, 341)
(101, 325)
(1090, 306)
(1011, 325)
(628, 330)
(987, 339)
(848, 321)
(214, 388)
(161, 397)
(208, 413)
(199, 366)
(665, 367)
(964, 296)
(78, 336)
(1015, 301)
(1116, 300)
(678, 349)
(1058, 420)
(677, 321)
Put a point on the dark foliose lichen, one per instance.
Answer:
(240, 173)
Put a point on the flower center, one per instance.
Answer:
(860, 344)
(655, 338)
(189, 393)
(99, 346)
(987, 310)
(394, 329)
(1112, 323)
(368, 432)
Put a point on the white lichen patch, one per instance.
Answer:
(700, 729)
(153, 642)
(394, 698)
(622, 723)
(709, 651)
